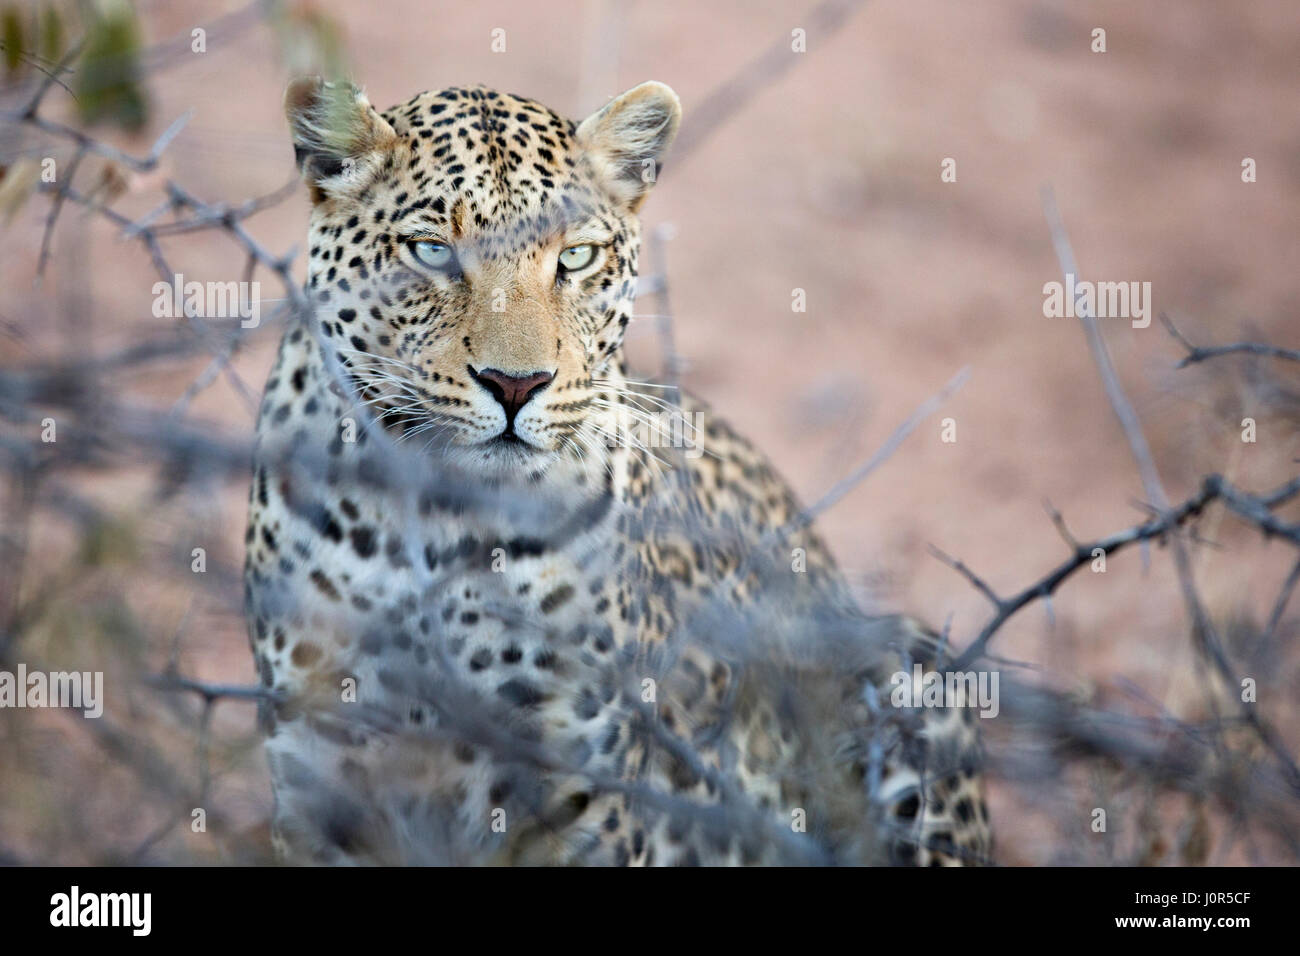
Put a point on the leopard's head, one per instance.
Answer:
(473, 259)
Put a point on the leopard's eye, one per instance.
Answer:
(433, 254)
(577, 257)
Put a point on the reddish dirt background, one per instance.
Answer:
(829, 181)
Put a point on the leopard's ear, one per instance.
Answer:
(336, 133)
(626, 139)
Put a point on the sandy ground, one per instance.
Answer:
(829, 181)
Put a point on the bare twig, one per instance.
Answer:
(1196, 353)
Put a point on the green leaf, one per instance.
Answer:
(17, 184)
(108, 86)
(11, 35)
(52, 39)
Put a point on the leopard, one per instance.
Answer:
(509, 604)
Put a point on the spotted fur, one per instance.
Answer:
(502, 634)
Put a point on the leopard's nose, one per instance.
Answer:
(512, 391)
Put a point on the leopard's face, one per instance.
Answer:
(473, 260)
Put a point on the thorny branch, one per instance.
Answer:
(1254, 509)
(1196, 353)
(1166, 526)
